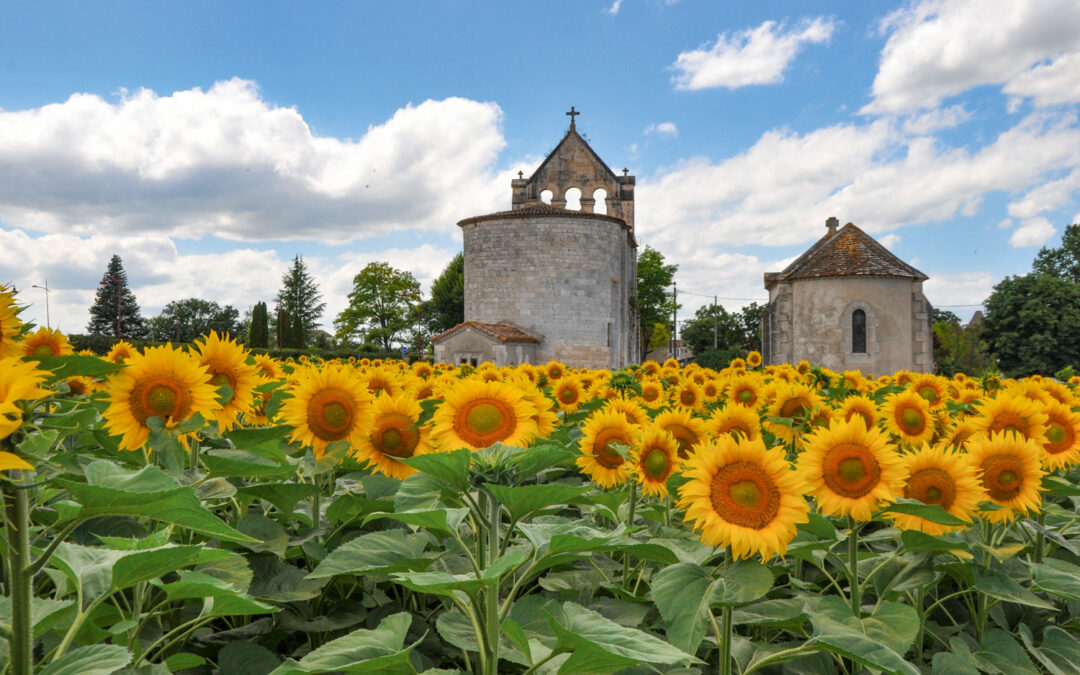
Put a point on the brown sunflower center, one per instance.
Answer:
(912, 421)
(684, 436)
(1002, 477)
(736, 428)
(330, 414)
(850, 470)
(224, 380)
(688, 398)
(482, 422)
(43, 349)
(656, 464)
(568, 395)
(394, 437)
(929, 393)
(1060, 437)
(159, 398)
(605, 454)
(745, 396)
(650, 394)
(743, 494)
(1009, 421)
(931, 486)
(795, 407)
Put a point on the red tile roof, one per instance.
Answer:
(502, 332)
(540, 209)
(846, 252)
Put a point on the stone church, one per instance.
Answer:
(848, 303)
(546, 282)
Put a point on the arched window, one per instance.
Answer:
(858, 331)
(573, 199)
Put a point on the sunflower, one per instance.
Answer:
(10, 325)
(796, 402)
(753, 359)
(649, 369)
(745, 391)
(120, 352)
(381, 380)
(652, 393)
(79, 385)
(930, 387)
(1062, 446)
(554, 370)
(850, 469)
(711, 390)
(907, 416)
(687, 429)
(328, 404)
(633, 411)
(161, 382)
(268, 367)
(1009, 467)
(671, 363)
(734, 420)
(46, 342)
(688, 394)
(940, 476)
(743, 496)
(546, 419)
(19, 381)
(654, 458)
(599, 460)
(393, 437)
(226, 361)
(860, 405)
(569, 393)
(957, 433)
(476, 415)
(1009, 412)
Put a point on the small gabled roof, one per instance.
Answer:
(571, 138)
(502, 332)
(847, 251)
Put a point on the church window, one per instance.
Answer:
(858, 331)
(546, 196)
(600, 195)
(573, 199)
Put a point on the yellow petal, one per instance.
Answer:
(10, 461)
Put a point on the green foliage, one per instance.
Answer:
(1031, 324)
(446, 308)
(298, 307)
(115, 297)
(734, 331)
(259, 329)
(718, 359)
(659, 336)
(185, 320)
(960, 348)
(655, 302)
(381, 306)
(1062, 262)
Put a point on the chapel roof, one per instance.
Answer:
(847, 251)
(540, 209)
(502, 332)
(565, 146)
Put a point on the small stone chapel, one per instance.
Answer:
(546, 282)
(848, 303)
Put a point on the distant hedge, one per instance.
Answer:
(718, 359)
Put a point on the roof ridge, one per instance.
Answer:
(831, 256)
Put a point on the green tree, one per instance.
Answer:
(380, 306)
(103, 313)
(1031, 324)
(750, 317)
(1062, 262)
(300, 299)
(184, 320)
(960, 348)
(697, 333)
(446, 308)
(259, 328)
(655, 302)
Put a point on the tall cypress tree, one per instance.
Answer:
(114, 297)
(259, 329)
(299, 297)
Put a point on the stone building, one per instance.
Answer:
(546, 282)
(848, 303)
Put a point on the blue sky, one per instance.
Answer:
(207, 143)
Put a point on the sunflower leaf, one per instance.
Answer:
(932, 512)
(451, 467)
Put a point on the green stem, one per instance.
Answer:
(853, 566)
(1040, 541)
(629, 524)
(920, 600)
(17, 512)
(46, 555)
(492, 596)
(725, 646)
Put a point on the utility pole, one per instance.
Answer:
(674, 318)
(45, 288)
(714, 324)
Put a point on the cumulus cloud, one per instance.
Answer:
(1046, 197)
(889, 240)
(1032, 232)
(936, 120)
(615, 7)
(752, 56)
(159, 273)
(226, 163)
(954, 289)
(940, 48)
(780, 190)
(662, 129)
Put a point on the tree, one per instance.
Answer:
(300, 299)
(1032, 322)
(380, 306)
(1062, 262)
(185, 320)
(259, 328)
(655, 302)
(697, 333)
(103, 313)
(750, 316)
(446, 308)
(960, 348)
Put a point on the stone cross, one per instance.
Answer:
(573, 113)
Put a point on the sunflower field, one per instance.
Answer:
(201, 510)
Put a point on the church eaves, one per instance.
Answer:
(846, 252)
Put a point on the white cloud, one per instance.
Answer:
(752, 56)
(615, 6)
(159, 274)
(1032, 232)
(940, 48)
(226, 163)
(780, 190)
(1005, 223)
(889, 240)
(953, 289)
(1049, 83)
(936, 120)
(1046, 197)
(663, 129)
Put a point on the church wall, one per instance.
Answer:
(465, 344)
(565, 278)
(820, 323)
